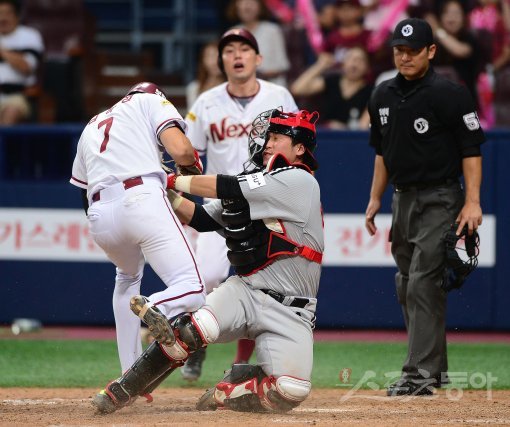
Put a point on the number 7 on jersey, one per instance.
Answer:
(108, 125)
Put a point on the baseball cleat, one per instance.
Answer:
(103, 403)
(192, 369)
(113, 397)
(158, 324)
(207, 402)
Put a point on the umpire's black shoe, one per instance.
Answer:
(441, 382)
(192, 369)
(158, 324)
(409, 388)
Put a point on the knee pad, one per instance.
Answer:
(206, 325)
(292, 389)
(283, 393)
(197, 329)
(192, 331)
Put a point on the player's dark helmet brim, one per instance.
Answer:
(146, 87)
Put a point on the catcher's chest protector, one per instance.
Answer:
(251, 245)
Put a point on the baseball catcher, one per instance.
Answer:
(271, 217)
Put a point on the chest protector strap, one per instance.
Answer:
(254, 258)
(252, 246)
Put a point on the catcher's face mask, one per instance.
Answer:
(461, 256)
(257, 138)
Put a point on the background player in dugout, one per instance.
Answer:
(426, 134)
(118, 168)
(218, 126)
(272, 219)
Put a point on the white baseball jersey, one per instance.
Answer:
(130, 217)
(219, 126)
(123, 142)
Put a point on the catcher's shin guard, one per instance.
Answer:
(149, 370)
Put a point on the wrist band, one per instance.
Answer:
(183, 183)
(175, 199)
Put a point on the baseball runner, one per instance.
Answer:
(118, 168)
(218, 126)
(271, 217)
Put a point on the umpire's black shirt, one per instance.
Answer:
(423, 128)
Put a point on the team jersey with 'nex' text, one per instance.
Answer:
(219, 126)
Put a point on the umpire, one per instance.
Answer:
(426, 134)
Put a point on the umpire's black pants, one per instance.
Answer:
(420, 217)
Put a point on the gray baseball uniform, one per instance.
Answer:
(292, 196)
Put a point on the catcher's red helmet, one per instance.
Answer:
(146, 87)
(299, 126)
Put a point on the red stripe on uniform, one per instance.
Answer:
(176, 120)
(179, 296)
(81, 182)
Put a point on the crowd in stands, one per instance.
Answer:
(329, 53)
(21, 49)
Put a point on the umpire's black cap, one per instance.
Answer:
(238, 34)
(413, 32)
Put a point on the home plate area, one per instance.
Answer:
(176, 406)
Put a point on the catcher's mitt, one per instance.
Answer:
(168, 166)
(457, 267)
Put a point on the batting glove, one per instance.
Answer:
(196, 168)
(170, 181)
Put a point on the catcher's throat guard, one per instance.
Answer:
(461, 256)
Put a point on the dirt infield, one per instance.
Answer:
(71, 407)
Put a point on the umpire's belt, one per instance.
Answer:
(423, 185)
(128, 183)
(288, 301)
